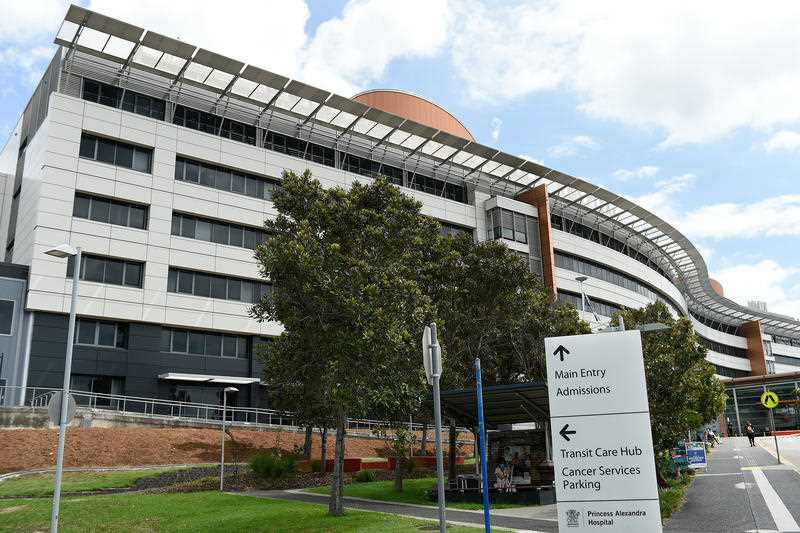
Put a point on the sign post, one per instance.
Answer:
(600, 427)
(432, 360)
(770, 400)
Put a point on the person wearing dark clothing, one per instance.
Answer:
(751, 434)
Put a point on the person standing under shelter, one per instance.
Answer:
(751, 434)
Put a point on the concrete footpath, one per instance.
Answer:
(743, 489)
(545, 522)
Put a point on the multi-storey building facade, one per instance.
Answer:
(159, 160)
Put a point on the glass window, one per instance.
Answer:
(179, 165)
(114, 271)
(207, 176)
(176, 224)
(124, 156)
(213, 344)
(241, 347)
(188, 227)
(88, 143)
(220, 233)
(93, 269)
(172, 281)
(223, 181)
(81, 206)
(250, 238)
(247, 291)
(185, 282)
(141, 160)
(236, 235)
(219, 287)
(203, 230)
(106, 151)
(229, 343)
(234, 289)
(192, 172)
(86, 331)
(138, 217)
(237, 182)
(133, 274)
(100, 210)
(197, 343)
(119, 214)
(6, 316)
(202, 285)
(106, 334)
(520, 231)
(179, 341)
(122, 335)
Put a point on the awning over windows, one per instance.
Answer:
(205, 378)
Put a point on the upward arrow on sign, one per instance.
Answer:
(561, 351)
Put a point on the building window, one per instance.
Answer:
(730, 372)
(452, 230)
(116, 153)
(219, 232)
(300, 148)
(224, 179)
(373, 169)
(786, 360)
(6, 316)
(788, 341)
(99, 333)
(216, 286)
(127, 100)
(505, 224)
(770, 367)
(600, 307)
(719, 326)
(718, 347)
(102, 269)
(451, 191)
(210, 123)
(110, 211)
(195, 342)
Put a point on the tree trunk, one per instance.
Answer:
(324, 449)
(398, 475)
(423, 447)
(307, 442)
(335, 507)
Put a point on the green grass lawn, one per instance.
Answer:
(41, 485)
(194, 512)
(413, 492)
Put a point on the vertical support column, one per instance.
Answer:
(754, 334)
(736, 408)
(538, 198)
(451, 459)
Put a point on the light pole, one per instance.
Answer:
(580, 280)
(225, 392)
(65, 251)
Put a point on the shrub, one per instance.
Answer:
(315, 465)
(365, 476)
(271, 465)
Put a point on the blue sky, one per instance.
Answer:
(688, 109)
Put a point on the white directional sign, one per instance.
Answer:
(600, 428)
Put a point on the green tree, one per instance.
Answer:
(682, 390)
(489, 305)
(346, 269)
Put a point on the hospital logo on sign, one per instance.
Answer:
(573, 518)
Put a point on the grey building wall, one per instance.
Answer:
(13, 281)
(139, 365)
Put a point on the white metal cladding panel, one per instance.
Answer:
(728, 361)
(719, 336)
(602, 254)
(780, 368)
(601, 290)
(783, 349)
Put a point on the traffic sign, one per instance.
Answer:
(600, 429)
(54, 408)
(769, 400)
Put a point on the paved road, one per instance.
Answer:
(515, 523)
(743, 490)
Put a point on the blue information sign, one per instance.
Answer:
(696, 454)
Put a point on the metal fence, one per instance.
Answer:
(38, 398)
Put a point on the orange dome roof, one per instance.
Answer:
(414, 108)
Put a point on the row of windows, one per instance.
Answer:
(452, 230)
(100, 333)
(224, 179)
(107, 270)
(598, 306)
(216, 231)
(615, 277)
(784, 360)
(730, 372)
(110, 211)
(116, 153)
(278, 142)
(505, 224)
(216, 286)
(141, 104)
(210, 123)
(581, 230)
(718, 347)
(719, 326)
(788, 341)
(205, 343)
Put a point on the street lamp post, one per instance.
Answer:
(225, 392)
(580, 280)
(65, 251)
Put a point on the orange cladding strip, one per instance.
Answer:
(539, 198)
(754, 334)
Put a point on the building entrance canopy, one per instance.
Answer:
(517, 403)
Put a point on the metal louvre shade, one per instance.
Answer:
(168, 45)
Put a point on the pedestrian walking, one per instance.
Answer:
(751, 434)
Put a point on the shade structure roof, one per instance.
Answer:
(516, 403)
(181, 63)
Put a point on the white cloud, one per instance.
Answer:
(698, 70)
(662, 201)
(25, 21)
(771, 217)
(497, 125)
(532, 159)
(645, 171)
(783, 140)
(766, 281)
(572, 146)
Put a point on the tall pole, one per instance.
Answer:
(62, 426)
(222, 438)
(437, 416)
(483, 454)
